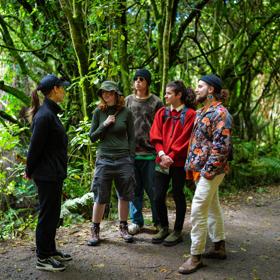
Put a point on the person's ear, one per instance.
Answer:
(211, 89)
(179, 94)
(56, 88)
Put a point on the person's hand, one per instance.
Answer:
(26, 177)
(110, 119)
(166, 161)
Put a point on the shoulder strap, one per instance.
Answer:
(183, 114)
(166, 113)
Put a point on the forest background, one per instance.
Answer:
(89, 41)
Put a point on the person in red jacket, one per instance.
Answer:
(170, 134)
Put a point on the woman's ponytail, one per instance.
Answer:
(222, 95)
(190, 98)
(35, 104)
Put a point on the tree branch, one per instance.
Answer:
(9, 118)
(196, 10)
(15, 92)
(255, 36)
(32, 51)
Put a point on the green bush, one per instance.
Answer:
(81, 161)
(254, 164)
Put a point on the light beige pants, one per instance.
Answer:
(206, 214)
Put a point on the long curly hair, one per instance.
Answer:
(188, 95)
(120, 103)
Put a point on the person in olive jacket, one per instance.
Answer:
(113, 128)
(47, 166)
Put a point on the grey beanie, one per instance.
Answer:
(109, 86)
(145, 74)
(212, 80)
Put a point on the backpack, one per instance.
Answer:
(230, 151)
(182, 115)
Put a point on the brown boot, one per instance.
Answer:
(124, 233)
(217, 251)
(95, 240)
(192, 264)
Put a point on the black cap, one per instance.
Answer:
(50, 81)
(145, 74)
(212, 80)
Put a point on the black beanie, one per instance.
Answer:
(212, 80)
(145, 74)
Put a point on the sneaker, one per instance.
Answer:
(61, 257)
(134, 229)
(49, 264)
(160, 236)
(173, 238)
(95, 240)
(124, 233)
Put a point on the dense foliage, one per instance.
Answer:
(88, 41)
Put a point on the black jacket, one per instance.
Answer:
(47, 154)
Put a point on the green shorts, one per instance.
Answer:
(107, 170)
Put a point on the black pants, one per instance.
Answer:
(178, 177)
(50, 205)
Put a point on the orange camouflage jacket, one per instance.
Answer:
(210, 141)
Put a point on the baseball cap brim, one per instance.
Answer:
(64, 84)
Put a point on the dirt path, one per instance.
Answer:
(253, 245)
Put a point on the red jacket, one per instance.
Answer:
(169, 135)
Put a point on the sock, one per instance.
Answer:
(96, 225)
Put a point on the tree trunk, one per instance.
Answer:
(166, 44)
(79, 41)
(122, 47)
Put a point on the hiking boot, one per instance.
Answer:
(59, 256)
(160, 236)
(173, 238)
(134, 229)
(95, 240)
(124, 233)
(216, 251)
(49, 264)
(192, 264)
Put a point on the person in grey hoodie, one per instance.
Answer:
(143, 106)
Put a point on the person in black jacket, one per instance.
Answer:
(47, 166)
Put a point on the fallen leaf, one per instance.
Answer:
(74, 231)
(100, 265)
(249, 198)
(264, 257)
